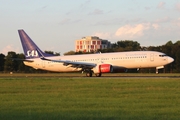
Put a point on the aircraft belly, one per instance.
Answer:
(141, 63)
(61, 68)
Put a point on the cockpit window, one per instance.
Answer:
(162, 55)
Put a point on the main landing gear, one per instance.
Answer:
(98, 75)
(90, 72)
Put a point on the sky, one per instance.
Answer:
(54, 25)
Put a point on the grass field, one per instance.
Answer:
(50, 96)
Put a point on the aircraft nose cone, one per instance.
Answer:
(170, 59)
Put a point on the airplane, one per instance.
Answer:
(90, 63)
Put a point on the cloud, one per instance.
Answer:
(97, 12)
(85, 4)
(161, 5)
(176, 22)
(177, 6)
(9, 48)
(103, 35)
(133, 31)
(128, 31)
(163, 20)
(44, 7)
(147, 8)
(155, 26)
(69, 21)
(65, 21)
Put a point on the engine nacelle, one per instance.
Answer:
(103, 68)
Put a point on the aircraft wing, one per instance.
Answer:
(83, 65)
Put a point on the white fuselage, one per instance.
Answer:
(128, 60)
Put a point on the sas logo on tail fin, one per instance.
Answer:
(32, 53)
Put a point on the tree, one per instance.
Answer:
(21, 66)
(126, 45)
(2, 60)
(154, 48)
(167, 48)
(11, 65)
(52, 53)
(175, 53)
(76, 53)
(70, 53)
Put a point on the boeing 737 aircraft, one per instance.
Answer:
(90, 63)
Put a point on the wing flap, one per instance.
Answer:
(83, 65)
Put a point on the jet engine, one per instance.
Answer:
(103, 68)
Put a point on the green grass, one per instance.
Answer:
(56, 97)
(78, 74)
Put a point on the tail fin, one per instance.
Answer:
(29, 47)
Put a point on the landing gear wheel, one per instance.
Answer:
(98, 75)
(89, 74)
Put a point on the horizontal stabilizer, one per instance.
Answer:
(26, 60)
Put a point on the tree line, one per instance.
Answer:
(170, 48)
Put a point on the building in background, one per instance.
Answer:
(91, 44)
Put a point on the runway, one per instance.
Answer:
(140, 77)
(104, 76)
(124, 77)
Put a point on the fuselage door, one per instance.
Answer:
(43, 63)
(151, 57)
